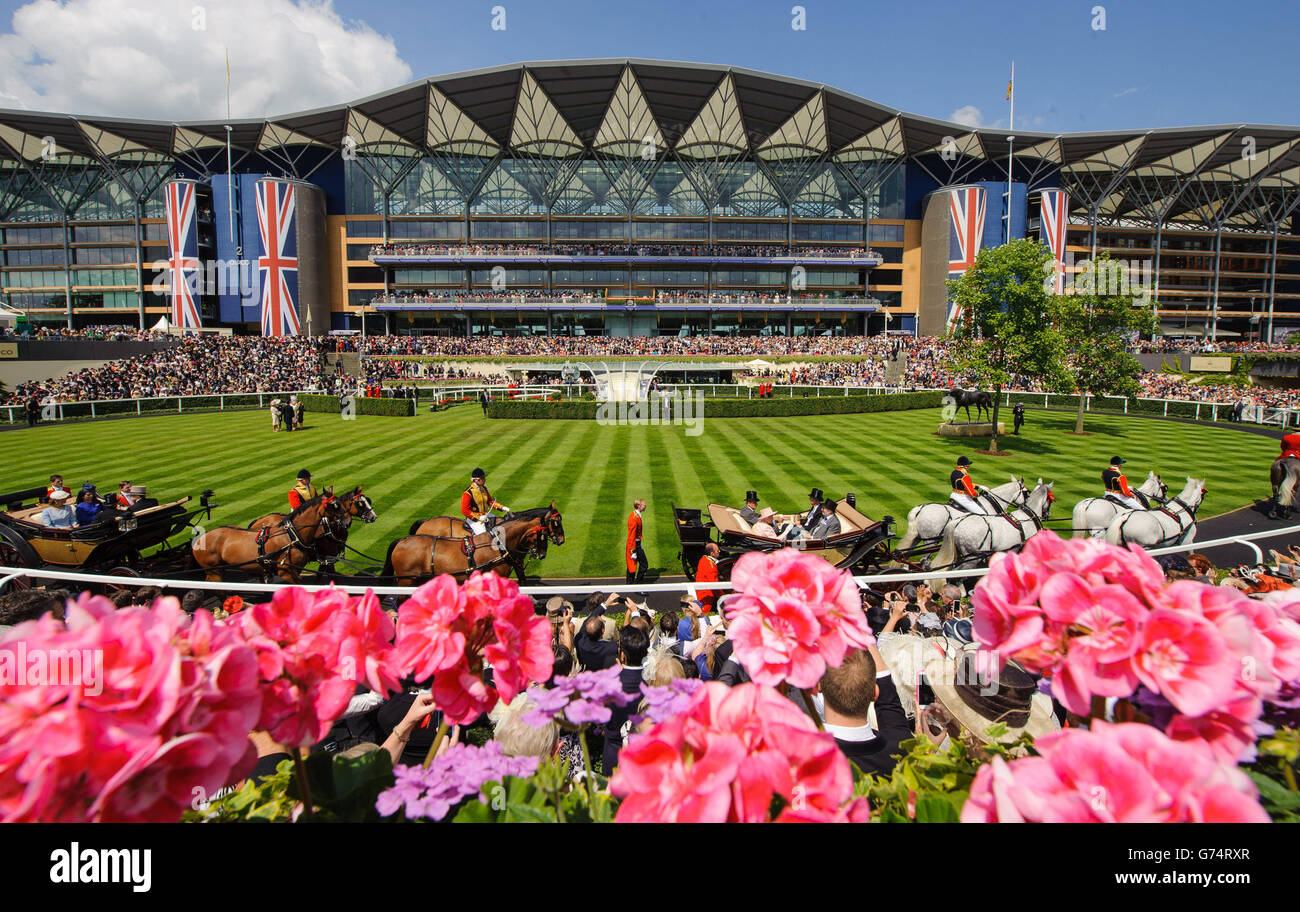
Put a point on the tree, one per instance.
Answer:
(1004, 331)
(1097, 321)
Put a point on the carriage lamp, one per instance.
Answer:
(205, 496)
(888, 523)
(127, 523)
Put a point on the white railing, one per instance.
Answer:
(103, 408)
(8, 574)
(1200, 410)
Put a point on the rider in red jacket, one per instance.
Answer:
(1290, 446)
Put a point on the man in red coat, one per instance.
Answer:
(707, 572)
(636, 559)
(1290, 446)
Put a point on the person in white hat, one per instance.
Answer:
(969, 700)
(59, 514)
(276, 416)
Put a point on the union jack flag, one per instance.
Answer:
(182, 254)
(1056, 205)
(278, 264)
(966, 207)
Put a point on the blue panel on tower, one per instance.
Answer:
(240, 292)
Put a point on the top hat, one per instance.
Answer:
(751, 497)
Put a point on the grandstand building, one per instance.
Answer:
(623, 197)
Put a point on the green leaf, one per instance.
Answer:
(937, 809)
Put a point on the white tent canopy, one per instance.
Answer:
(8, 318)
(162, 324)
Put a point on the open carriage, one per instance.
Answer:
(116, 544)
(862, 545)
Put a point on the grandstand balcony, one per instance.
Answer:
(867, 259)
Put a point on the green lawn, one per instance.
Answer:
(416, 468)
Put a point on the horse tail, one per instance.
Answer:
(1286, 490)
(1079, 519)
(1115, 531)
(388, 560)
(909, 537)
(415, 525)
(945, 556)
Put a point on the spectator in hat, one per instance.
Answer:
(764, 525)
(122, 500)
(828, 524)
(277, 416)
(59, 515)
(750, 511)
(845, 696)
(967, 701)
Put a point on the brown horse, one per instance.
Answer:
(454, 526)
(502, 550)
(330, 548)
(284, 548)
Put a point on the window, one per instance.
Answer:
(671, 231)
(365, 229)
(881, 233)
(507, 230)
(841, 232)
(426, 230)
(588, 231)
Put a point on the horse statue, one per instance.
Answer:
(284, 548)
(1283, 475)
(927, 522)
(982, 401)
(330, 548)
(1093, 515)
(1172, 524)
(503, 549)
(973, 538)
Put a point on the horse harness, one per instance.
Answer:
(504, 555)
(1190, 514)
(269, 560)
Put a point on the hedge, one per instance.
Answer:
(734, 408)
(394, 408)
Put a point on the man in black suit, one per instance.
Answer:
(846, 694)
(814, 501)
(594, 652)
(633, 644)
(750, 511)
(1018, 413)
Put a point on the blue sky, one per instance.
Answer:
(1156, 63)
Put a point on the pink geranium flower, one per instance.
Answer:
(794, 615)
(726, 756)
(1126, 773)
(313, 650)
(157, 706)
(447, 632)
(1184, 658)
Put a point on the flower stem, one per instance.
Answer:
(300, 770)
(812, 709)
(586, 762)
(437, 742)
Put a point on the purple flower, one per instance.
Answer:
(663, 703)
(582, 698)
(460, 772)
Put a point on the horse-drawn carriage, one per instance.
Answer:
(862, 545)
(115, 545)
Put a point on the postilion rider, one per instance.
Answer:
(1116, 485)
(1290, 447)
(964, 494)
(477, 502)
(303, 491)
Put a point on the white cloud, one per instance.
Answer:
(147, 58)
(1130, 91)
(968, 116)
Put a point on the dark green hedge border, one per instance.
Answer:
(392, 408)
(734, 408)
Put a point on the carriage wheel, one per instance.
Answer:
(10, 557)
(110, 588)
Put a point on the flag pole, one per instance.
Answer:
(230, 193)
(1011, 143)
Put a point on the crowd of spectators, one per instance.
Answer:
(211, 364)
(621, 250)
(57, 333)
(198, 365)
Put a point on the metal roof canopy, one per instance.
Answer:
(705, 118)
